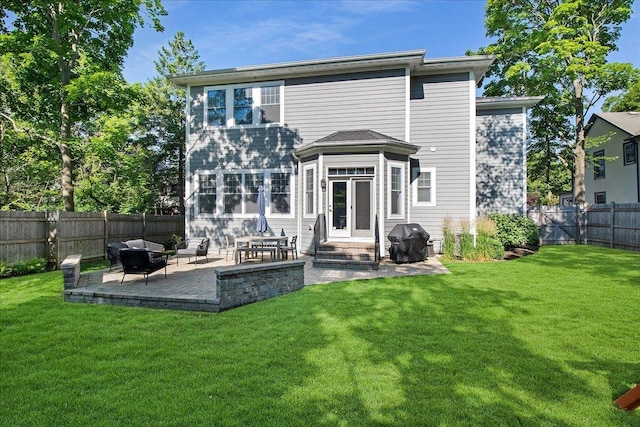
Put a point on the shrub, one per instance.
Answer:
(515, 230)
(34, 265)
(449, 239)
(170, 243)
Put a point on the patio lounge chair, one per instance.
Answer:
(141, 261)
(113, 252)
(193, 247)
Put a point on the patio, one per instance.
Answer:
(191, 286)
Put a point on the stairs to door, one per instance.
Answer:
(346, 256)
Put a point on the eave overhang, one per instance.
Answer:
(356, 146)
(489, 103)
(478, 64)
(348, 64)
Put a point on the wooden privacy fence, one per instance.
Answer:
(55, 235)
(615, 225)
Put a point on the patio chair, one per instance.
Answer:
(141, 261)
(113, 252)
(231, 247)
(291, 247)
(193, 247)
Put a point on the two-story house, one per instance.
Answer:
(614, 173)
(392, 136)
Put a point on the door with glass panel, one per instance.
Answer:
(351, 207)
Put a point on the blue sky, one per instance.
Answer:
(236, 33)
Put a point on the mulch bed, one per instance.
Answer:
(519, 252)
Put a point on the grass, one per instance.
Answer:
(551, 339)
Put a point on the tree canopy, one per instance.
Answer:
(558, 49)
(64, 59)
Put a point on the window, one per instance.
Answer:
(245, 105)
(216, 107)
(630, 150)
(232, 193)
(424, 186)
(270, 104)
(237, 196)
(309, 190)
(207, 194)
(280, 193)
(395, 184)
(598, 164)
(251, 183)
(600, 198)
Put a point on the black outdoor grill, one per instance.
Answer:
(408, 243)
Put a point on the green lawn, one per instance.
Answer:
(551, 339)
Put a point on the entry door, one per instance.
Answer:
(362, 211)
(339, 202)
(351, 208)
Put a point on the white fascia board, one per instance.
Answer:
(302, 68)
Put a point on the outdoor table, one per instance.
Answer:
(247, 241)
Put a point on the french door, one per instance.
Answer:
(351, 207)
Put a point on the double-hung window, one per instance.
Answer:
(281, 192)
(424, 186)
(309, 177)
(395, 189)
(232, 193)
(207, 194)
(244, 105)
(598, 165)
(630, 150)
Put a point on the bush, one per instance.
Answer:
(35, 265)
(515, 230)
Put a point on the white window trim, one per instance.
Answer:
(402, 166)
(219, 213)
(257, 99)
(414, 186)
(306, 214)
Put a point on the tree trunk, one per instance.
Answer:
(578, 151)
(67, 160)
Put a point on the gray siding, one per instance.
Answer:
(500, 160)
(317, 107)
(441, 120)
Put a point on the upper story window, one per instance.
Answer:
(244, 105)
(598, 164)
(630, 150)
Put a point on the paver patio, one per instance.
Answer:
(192, 286)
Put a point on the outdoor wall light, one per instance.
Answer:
(323, 184)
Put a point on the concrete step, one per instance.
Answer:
(347, 255)
(345, 264)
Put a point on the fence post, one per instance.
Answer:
(106, 232)
(144, 225)
(612, 214)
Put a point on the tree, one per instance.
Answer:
(162, 113)
(628, 100)
(58, 44)
(558, 48)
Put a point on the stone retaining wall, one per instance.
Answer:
(71, 271)
(244, 284)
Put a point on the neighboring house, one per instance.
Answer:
(392, 136)
(614, 174)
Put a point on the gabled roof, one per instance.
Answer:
(628, 122)
(413, 59)
(356, 141)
